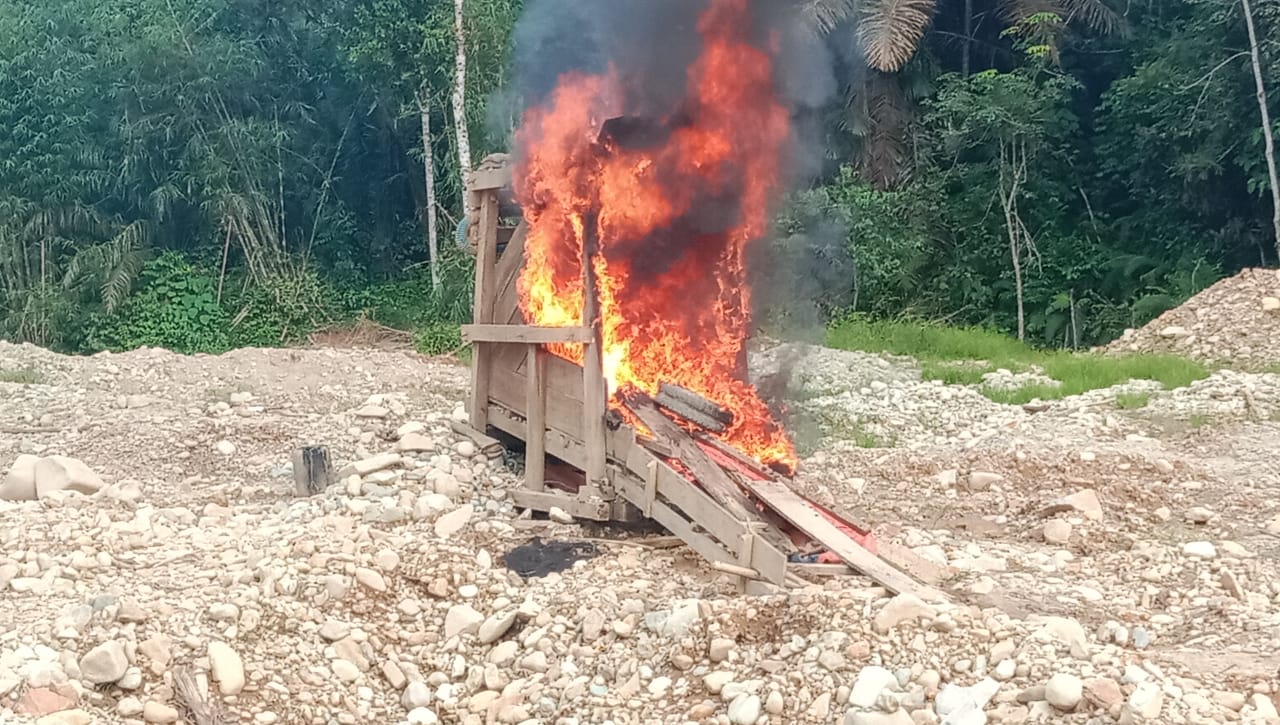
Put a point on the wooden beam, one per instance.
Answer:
(594, 394)
(535, 442)
(482, 312)
(796, 510)
(524, 334)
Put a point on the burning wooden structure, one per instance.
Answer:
(582, 457)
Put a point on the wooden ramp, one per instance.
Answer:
(582, 457)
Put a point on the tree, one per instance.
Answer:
(1267, 133)
(460, 88)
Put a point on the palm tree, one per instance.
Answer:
(889, 34)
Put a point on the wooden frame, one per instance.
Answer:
(734, 519)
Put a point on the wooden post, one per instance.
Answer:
(535, 451)
(312, 470)
(482, 313)
(593, 390)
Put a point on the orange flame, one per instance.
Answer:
(685, 319)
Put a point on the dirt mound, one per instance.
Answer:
(1235, 322)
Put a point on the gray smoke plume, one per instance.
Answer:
(653, 43)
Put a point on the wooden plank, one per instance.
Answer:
(535, 440)
(709, 475)
(581, 507)
(697, 505)
(564, 409)
(488, 179)
(797, 511)
(524, 334)
(482, 312)
(562, 446)
(708, 545)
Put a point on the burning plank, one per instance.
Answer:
(683, 448)
(692, 407)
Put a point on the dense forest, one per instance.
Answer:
(206, 174)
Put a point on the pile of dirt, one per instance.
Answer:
(1235, 322)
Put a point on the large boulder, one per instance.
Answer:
(19, 484)
(62, 473)
(32, 478)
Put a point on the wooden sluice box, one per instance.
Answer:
(742, 517)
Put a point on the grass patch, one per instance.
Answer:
(21, 376)
(830, 424)
(1132, 401)
(962, 355)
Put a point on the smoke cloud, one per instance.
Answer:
(652, 43)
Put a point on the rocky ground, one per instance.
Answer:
(1235, 322)
(1110, 565)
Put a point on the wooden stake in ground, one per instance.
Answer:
(312, 470)
(1267, 137)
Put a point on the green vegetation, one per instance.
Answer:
(1132, 401)
(21, 376)
(208, 174)
(963, 355)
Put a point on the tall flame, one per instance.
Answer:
(673, 291)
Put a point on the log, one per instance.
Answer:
(690, 399)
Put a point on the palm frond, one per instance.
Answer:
(890, 31)
(824, 15)
(1096, 15)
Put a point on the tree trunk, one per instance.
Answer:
(429, 171)
(1267, 136)
(1009, 164)
(968, 36)
(460, 90)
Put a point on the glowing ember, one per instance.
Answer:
(669, 214)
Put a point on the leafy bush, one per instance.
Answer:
(175, 307)
(284, 311)
(438, 338)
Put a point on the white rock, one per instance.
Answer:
(227, 668)
(871, 681)
(1270, 304)
(1146, 701)
(158, 712)
(225, 447)
(461, 619)
(745, 709)
(453, 522)
(345, 670)
(955, 703)
(422, 716)
(19, 484)
(861, 717)
(371, 579)
(902, 608)
(559, 515)
(496, 626)
(104, 664)
(1057, 531)
(1064, 691)
(466, 449)
(1199, 549)
(61, 473)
